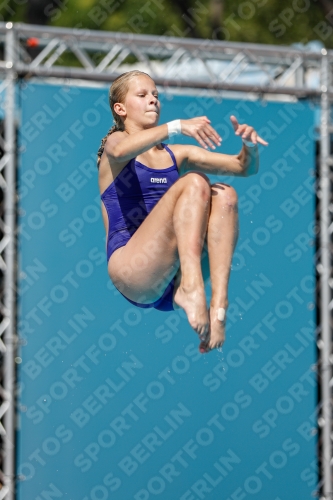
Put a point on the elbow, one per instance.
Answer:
(117, 153)
(115, 148)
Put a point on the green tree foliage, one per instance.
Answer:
(254, 21)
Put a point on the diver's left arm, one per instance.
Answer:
(196, 159)
(244, 164)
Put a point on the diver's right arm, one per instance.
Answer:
(121, 147)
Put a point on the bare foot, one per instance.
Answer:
(193, 300)
(217, 329)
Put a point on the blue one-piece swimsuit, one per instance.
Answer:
(128, 200)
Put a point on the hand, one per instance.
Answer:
(246, 132)
(202, 131)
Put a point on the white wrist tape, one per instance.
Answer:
(221, 314)
(174, 127)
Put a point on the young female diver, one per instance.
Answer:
(160, 211)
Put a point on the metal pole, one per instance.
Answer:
(9, 281)
(324, 278)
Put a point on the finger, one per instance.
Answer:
(202, 120)
(247, 133)
(254, 137)
(206, 135)
(206, 139)
(200, 141)
(241, 129)
(211, 133)
(214, 136)
(234, 122)
(261, 141)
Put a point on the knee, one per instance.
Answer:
(225, 195)
(198, 183)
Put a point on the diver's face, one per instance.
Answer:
(141, 103)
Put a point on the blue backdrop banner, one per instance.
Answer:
(116, 402)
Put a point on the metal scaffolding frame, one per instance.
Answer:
(57, 53)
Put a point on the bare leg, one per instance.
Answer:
(190, 219)
(172, 233)
(222, 236)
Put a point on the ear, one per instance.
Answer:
(119, 108)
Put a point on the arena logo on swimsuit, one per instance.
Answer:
(159, 180)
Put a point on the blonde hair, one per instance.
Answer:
(117, 93)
